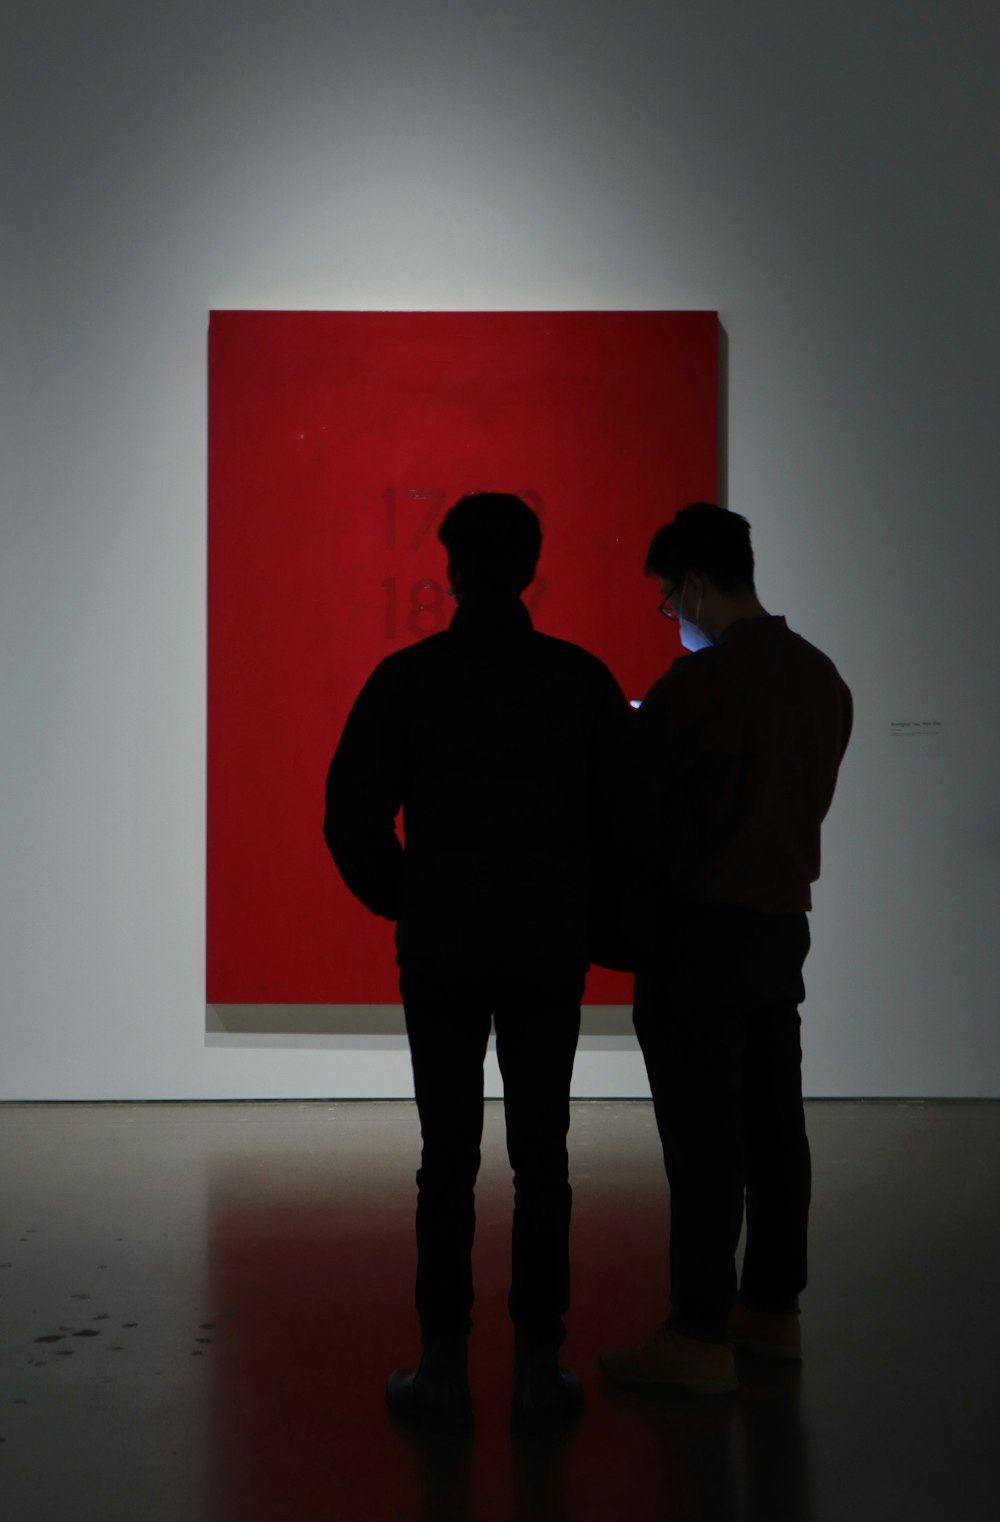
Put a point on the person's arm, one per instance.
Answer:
(670, 774)
(363, 796)
(612, 837)
(666, 748)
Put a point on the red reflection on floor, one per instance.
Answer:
(315, 1289)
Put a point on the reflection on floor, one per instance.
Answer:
(199, 1305)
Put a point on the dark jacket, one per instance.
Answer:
(736, 755)
(502, 746)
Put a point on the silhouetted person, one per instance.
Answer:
(737, 750)
(499, 745)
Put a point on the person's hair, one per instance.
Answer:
(493, 540)
(707, 538)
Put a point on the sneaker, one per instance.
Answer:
(768, 1334)
(544, 1396)
(437, 1392)
(669, 1360)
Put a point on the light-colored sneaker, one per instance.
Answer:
(766, 1334)
(668, 1360)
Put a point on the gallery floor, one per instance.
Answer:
(199, 1305)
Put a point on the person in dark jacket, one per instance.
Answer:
(501, 747)
(737, 750)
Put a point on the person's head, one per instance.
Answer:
(493, 540)
(704, 562)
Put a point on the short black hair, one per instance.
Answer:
(707, 538)
(493, 540)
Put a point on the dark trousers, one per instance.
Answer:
(537, 1027)
(719, 1029)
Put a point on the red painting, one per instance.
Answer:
(337, 441)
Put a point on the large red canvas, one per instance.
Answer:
(337, 440)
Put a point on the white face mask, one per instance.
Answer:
(692, 638)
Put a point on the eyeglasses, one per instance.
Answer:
(666, 609)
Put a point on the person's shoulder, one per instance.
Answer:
(422, 652)
(817, 670)
(402, 667)
(687, 673)
(810, 652)
(572, 657)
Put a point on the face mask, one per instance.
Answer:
(692, 638)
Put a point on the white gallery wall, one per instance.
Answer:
(824, 176)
